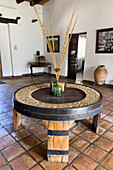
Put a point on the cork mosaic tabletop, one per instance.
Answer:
(77, 102)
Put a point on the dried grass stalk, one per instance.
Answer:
(51, 30)
(67, 46)
(67, 32)
(45, 35)
(52, 47)
(51, 51)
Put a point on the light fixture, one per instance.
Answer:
(34, 20)
(17, 18)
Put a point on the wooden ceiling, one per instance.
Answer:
(40, 2)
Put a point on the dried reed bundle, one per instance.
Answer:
(67, 33)
(66, 48)
(51, 29)
(51, 51)
(52, 47)
(45, 35)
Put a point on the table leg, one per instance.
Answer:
(96, 121)
(31, 70)
(17, 119)
(58, 140)
(49, 69)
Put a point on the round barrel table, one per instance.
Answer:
(77, 102)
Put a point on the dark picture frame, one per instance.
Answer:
(104, 40)
(56, 42)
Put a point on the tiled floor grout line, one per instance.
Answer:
(99, 163)
(68, 165)
(31, 148)
(27, 130)
(91, 143)
(33, 134)
(98, 137)
(26, 151)
(102, 167)
(7, 162)
(36, 165)
(71, 139)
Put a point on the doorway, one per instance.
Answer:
(76, 56)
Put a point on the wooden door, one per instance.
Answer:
(72, 56)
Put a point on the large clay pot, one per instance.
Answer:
(100, 74)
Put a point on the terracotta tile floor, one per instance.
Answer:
(26, 149)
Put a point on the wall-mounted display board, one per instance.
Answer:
(56, 43)
(104, 41)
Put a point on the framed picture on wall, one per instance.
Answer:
(104, 41)
(56, 43)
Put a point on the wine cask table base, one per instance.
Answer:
(58, 113)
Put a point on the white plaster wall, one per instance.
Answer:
(5, 50)
(26, 37)
(93, 15)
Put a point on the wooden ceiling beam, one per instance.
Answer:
(34, 1)
(43, 2)
(19, 1)
(40, 2)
